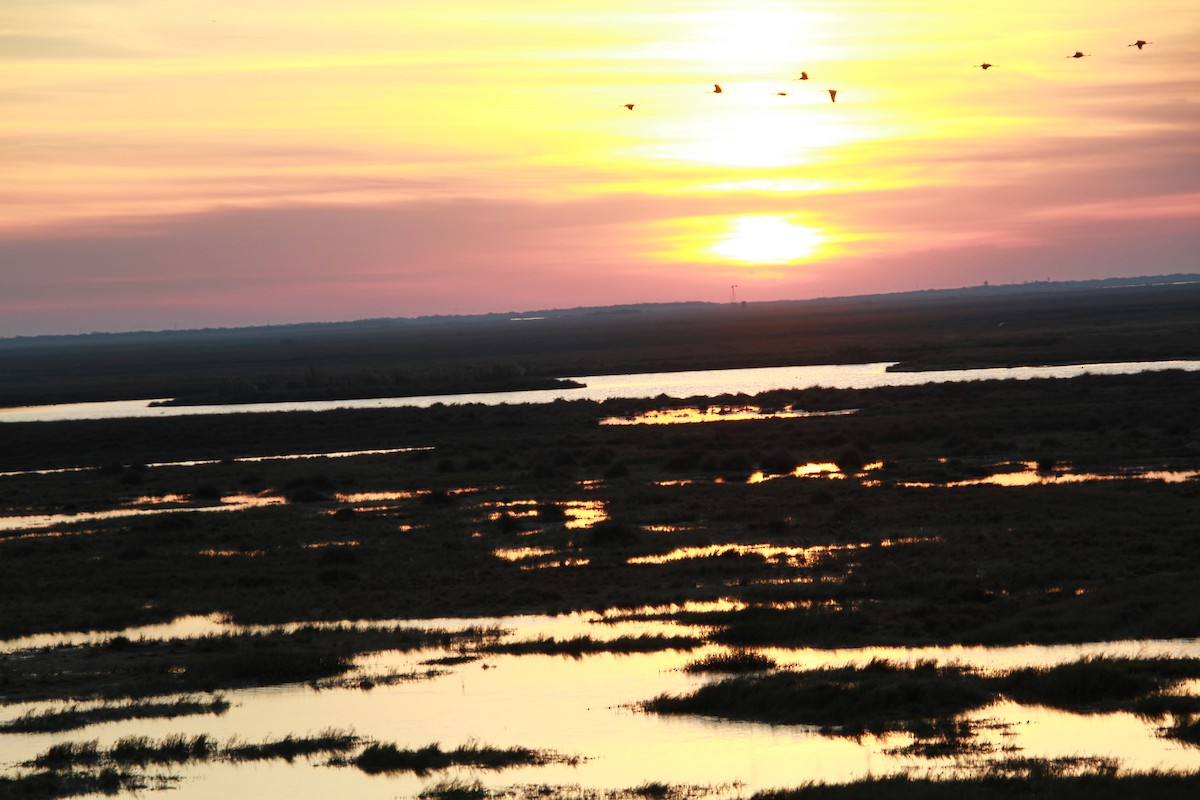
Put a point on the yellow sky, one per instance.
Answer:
(231, 162)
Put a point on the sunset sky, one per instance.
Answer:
(195, 164)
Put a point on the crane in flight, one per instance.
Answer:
(1139, 44)
(832, 95)
(1079, 54)
(984, 65)
(716, 89)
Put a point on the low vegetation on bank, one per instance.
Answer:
(925, 699)
(75, 715)
(74, 768)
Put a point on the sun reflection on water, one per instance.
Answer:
(686, 416)
(1029, 474)
(236, 502)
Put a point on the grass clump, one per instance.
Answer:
(924, 699)
(140, 751)
(876, 697)
(383, 757)
(1184, 729)
(291, 747)
(585, 645)
(75, 716)
(47, 784)
(1097, 684)
(736, 661)
(455, 789)
(1059, 778)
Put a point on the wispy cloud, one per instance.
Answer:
(227, 162)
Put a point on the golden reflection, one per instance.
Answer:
(667, 528)
(1030, 475)
(814, 468)
(584, 513)
(374, 497)
(722, 605)
(685, 416)
(791, 556)
(211, 553)
(320, 545)
(235, 502)
(157, 500)
(566, 562)
(522, 553)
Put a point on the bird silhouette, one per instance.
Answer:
(629, 106)
(1079, 54)
(1139, 44)
(716, 89)
(803, 76)
(832, 95)
(984, 65)
(782, 94)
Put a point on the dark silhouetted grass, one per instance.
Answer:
(209, 663)
(291, 747)
(74, 717)
(877, 697)
(140, 751)
(455, 789)
(923, 698)
(994, 786)
(1097, 684)
(1184, 729)
(736, 661)
(48, 784)
(584, 645)
(379, 757)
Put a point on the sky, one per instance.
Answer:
(194, 164)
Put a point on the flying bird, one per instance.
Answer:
(629, 106)
(1079, 54)
(1139, 44)
(984, 65)
(782, 94)
(803, 76)
(832, 95)
(716, 89)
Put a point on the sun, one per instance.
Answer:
(767, 240)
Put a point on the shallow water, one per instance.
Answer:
(240, 459)
(688, 416)
(238, 502)
(585, 706)
(605, 387)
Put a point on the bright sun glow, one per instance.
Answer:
(767, 240)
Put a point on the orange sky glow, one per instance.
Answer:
(188, 164)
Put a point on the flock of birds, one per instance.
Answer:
(1139, 44)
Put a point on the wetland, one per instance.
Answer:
(968, 588)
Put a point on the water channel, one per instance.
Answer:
(700, 383)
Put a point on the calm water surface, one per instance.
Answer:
(585, 706)
(608, 387)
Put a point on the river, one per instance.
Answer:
(699, 383)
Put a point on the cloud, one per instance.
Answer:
(22, 47)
